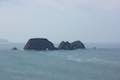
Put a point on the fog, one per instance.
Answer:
(88, 21)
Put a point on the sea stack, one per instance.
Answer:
(64, 45)
(71, 46)
(77, 45)
(39, 44)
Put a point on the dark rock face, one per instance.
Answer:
(71, 46)
(44, 44)
(65, 45)
(39, 44)
(77, 45)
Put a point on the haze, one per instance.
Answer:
(85, 20)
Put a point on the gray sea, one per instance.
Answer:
(89, 64)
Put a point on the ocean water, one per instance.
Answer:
(89, 64)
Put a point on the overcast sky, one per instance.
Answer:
(57, 20)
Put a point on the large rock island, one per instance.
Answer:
(39, 44)
(45, 44)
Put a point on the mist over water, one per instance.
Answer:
(89, 64)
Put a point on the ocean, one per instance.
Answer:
(90, 64)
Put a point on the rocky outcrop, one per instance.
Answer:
(44, 44)
(77, 45)
(64, 45)
(71, 46)
(39, 44)
(14, 48)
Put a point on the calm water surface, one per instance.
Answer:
(90, 64)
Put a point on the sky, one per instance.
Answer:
(93, 21)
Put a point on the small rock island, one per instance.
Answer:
(40, 44)
(14, 48)
(71, 46)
